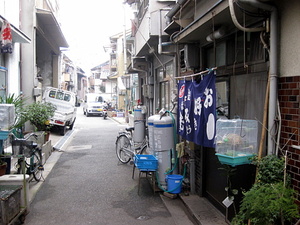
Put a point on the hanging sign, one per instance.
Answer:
(6, 38)
(197, 110)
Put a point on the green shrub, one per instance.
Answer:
(267, 204)
(39, 113)
(271, 169)
(271, 200)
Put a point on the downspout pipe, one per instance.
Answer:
(160, 43)
(273, 69)
(175, 9)
(236, 22)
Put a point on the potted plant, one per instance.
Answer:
(18, 102)
(39, 114)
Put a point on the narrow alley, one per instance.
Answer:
(88, 185)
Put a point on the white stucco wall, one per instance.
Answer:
(9, 9)
(28, 64)
(149, 24)
(289, 38)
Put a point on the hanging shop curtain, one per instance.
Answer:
(197, 110)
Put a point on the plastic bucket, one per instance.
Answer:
(174, 183)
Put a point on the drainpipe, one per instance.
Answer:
(273, 63)
(160, 44)
(236, 22)
(124, 41)
(174, 10)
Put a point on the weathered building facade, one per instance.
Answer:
(10, 71)
(102, 84)
(252, 46)
(41, 58)
(153, 55)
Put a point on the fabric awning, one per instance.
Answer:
(50, 27)
(17, 35)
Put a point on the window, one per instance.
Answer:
(3, 71)
(164, 86)
(217, 58)
(236, 51)
(67, 97)
(99, 99)
(238, 48)
(97, 75)
(60, 95)
(52, 94)
(222, 98)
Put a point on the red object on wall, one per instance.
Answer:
(6, 38)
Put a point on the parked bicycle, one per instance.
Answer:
(29, 156)
(126, 148)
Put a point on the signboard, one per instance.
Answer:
(197, 110)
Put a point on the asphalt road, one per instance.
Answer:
(88, 185)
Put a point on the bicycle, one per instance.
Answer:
(126, 148)
(29, 156)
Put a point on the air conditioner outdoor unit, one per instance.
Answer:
(145, 90)
(191, 56)
(150, 91)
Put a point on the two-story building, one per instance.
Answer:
(10, 72)
(252, 47)
(102, 82)
(35, 59)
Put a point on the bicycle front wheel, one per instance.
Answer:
(123, 149)
(37, 167)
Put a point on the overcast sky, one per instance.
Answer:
(87, 26)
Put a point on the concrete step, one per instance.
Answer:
(202, 210)
(178, 210)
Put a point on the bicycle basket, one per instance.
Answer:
(22, 147)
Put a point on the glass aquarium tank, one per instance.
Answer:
(236, 141)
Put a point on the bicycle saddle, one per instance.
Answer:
(129, 129)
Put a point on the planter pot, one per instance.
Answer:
(234, 160)
(7, 159)
(3, 169)
(47, 136)
(4, 134)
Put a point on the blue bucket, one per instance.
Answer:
(174, 183)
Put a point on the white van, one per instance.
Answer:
(94, 104)
(65, 113)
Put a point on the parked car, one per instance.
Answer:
(94, 104)
(65, 113)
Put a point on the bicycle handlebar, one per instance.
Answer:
(25, 138)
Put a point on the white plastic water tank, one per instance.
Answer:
(139, 125)
(163, 130)
(151, 133)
